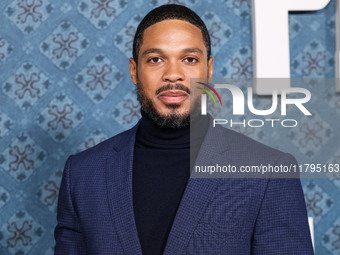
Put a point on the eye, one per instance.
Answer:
(191, 60)
(154, 60)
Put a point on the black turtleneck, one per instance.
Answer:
(161, 169)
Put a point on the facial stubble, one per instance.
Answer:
(173, 119)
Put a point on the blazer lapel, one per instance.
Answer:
(198, 193)
(196, 197)
(119, 186)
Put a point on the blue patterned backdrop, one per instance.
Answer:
(65, 86)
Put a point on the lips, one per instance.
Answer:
(173, 97)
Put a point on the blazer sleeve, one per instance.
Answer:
(68, 235)
(282, 223)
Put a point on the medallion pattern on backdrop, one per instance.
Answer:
(65, 87)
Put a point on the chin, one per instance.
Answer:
(174, 111)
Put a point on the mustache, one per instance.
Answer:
(171, 86)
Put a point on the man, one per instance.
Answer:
(132, 193)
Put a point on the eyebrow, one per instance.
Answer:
(157, 50)
(151, 50)
(193, 50)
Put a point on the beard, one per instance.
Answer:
(173, 119)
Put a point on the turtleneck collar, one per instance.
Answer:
(151, 136)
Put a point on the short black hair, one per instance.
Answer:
(165, 12)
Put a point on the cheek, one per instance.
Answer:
(198, 72)
(150, 76)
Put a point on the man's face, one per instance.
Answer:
(172, 52)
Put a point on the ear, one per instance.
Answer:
(210, 67)
(133, 70)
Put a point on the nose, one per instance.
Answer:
(173, 72)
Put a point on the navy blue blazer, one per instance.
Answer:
(216, 216)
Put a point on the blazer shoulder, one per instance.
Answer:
(107, 147)
(248, 146)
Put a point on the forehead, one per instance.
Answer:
(173, 35)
